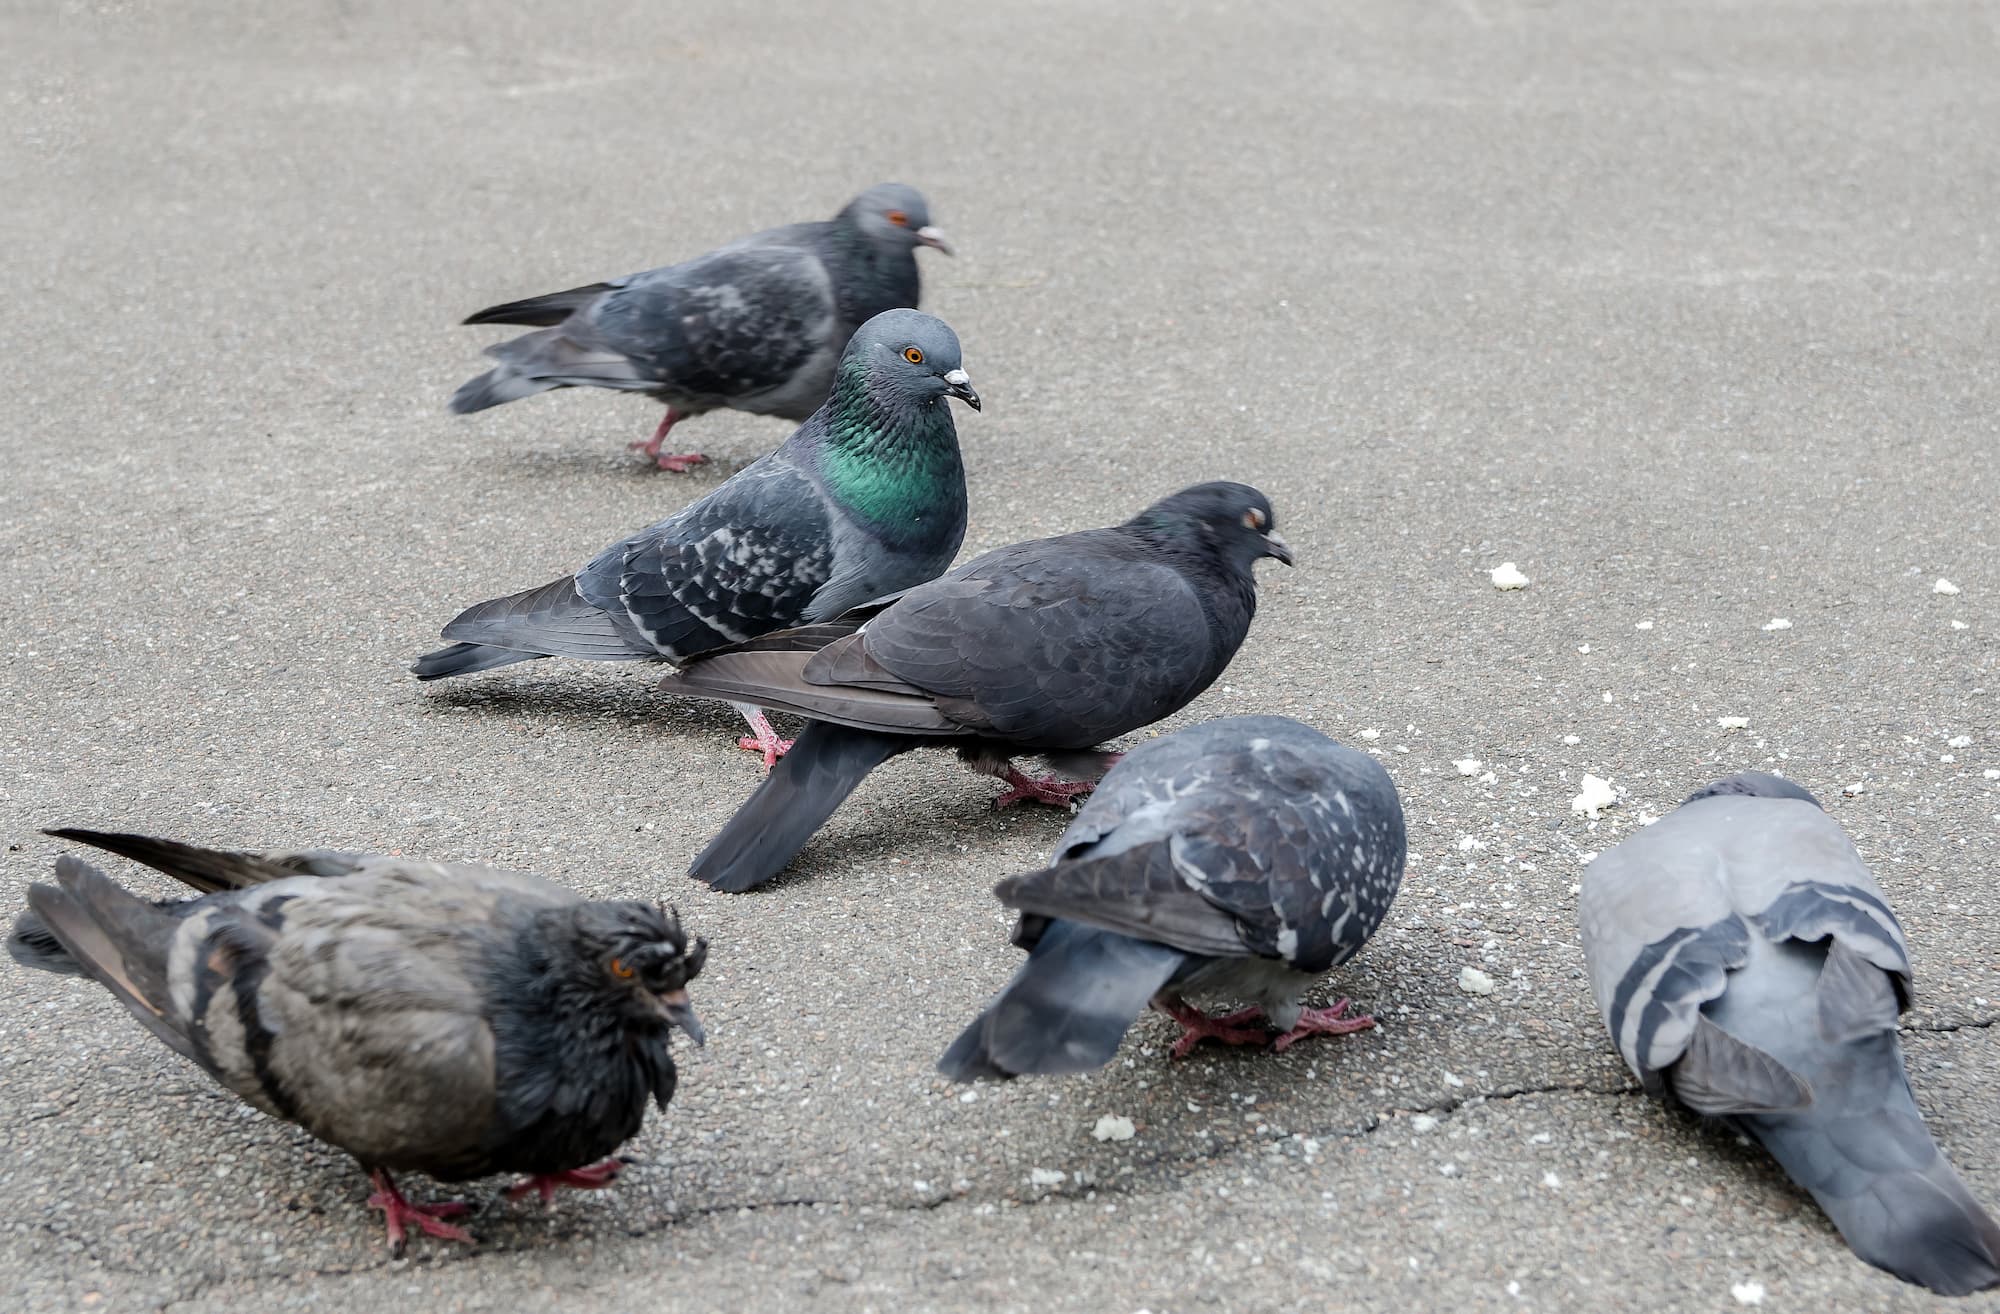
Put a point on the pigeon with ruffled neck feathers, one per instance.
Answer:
(445, 1018)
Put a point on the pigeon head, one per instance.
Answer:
(1232, 521)
(637, 954)
(1753, 784)
(912, 354)
(895, 214)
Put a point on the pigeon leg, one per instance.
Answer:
(679, 463)
(1196, 1026)
(398, 1212)
(594, 1178)
(762, 738)
(1329, 1021)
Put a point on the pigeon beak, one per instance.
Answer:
(680, 1012)
(1275, 546)
(958, 383)
(931, 235)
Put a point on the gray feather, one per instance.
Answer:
(1241, 858)
(757, 326)
(1746, 961)
(792, 539)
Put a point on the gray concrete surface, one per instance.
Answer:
(1687, 308)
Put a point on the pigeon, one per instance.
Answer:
(445, 1018)
(1747, 964)
(756, 326)
(866, 499)
(1050, 646)
(1242, 858)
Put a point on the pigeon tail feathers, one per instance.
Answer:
(824, 765)
(1067, 1008)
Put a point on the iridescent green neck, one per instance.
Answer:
(893, 463)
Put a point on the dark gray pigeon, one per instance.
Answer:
(1051, 646)
(756, 326)
(1747, 963)
(1241, 859)
(866, 499)
(442, 1017)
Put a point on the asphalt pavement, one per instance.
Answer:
(1686, 309)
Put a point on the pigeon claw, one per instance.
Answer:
(596, 1177)
(1041, 789)
(764, 739)
(1329, 1021)
(1244, 1027)
(682, 462)
(399, 1214)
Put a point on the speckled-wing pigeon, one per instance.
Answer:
(445, 1018)
(1747, 963)
(1242, 859)
(756, 326)
(866, 499)
(1050, 646)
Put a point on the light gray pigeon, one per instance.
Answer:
(445, 1018)
(1050, 646)
(756, 326)
(866, 499)
(1747, 963)
(1239, 859)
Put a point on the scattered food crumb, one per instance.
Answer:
(1468, 844)
(1748, 1293)
(1960, 625)
(1959, 741)
(1944, 586)
(1371, 734)
(1583, 647)
(1474, 982)
(1467, 766)
(1571, 739)
(1423, 1122)
(1552, 1181)
(1595, 796)
(1047, 1177)
(1852, 790)
(1777, 623)
(1733, 722)
(1643, 625)
(1112, 1127)
(1507, 575)
(1451, 1079)
(1990, 774)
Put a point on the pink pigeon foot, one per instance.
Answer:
(594, 1178)
(1244, 1027)
(763, 739)
(1329, 1021)
(398, 1213)
(1042, 789)
(677, 462)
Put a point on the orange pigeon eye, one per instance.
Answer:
(1253, 519)
(899, 218)
(622, 972)
(914, 355)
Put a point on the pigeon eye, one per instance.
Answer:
(1253, 519)
(622, 972)
(898, 218)
(914, 355)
